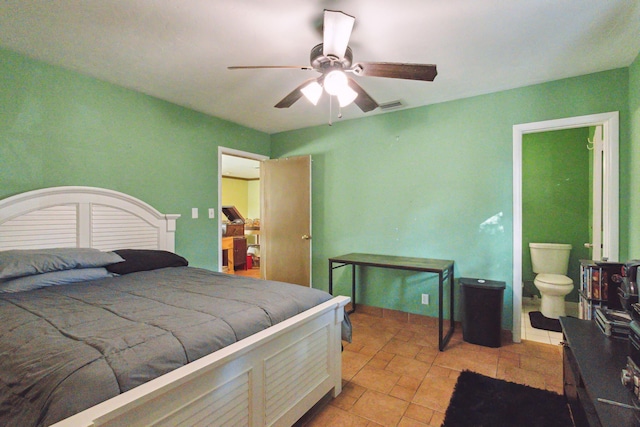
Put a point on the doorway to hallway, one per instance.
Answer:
(239, 195)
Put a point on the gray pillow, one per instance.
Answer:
(25, 262)
(53, 278)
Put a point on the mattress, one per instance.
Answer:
(66, 348)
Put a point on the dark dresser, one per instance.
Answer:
(592, 364)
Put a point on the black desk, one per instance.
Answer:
(592, 366)
(444, 269)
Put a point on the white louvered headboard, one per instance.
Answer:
(85, 217)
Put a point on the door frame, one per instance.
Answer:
(237, 153)
(610, 192)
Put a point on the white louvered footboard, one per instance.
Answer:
(271, 378)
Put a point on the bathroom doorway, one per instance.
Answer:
(557, 179)
(608, 192)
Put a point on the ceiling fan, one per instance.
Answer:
(333, 58)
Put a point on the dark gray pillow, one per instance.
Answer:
(26, 262)
(53, 278)
(145, 260)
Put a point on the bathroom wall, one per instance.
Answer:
(556, 177)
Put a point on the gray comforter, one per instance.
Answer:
(66, 348)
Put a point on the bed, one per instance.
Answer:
(160, 368)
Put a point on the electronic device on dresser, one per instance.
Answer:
(628, 293)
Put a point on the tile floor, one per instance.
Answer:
(530, 333)
(394, 375)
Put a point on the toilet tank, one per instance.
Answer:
(550, 258)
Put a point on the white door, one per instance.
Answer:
(285, 235)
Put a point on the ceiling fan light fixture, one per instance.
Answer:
(333, 57)
(347, 96)
(313, 92)
(335, 82)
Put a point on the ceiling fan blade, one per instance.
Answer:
(336, 33)
(364, 100)
(296, 94)
(396, 70)
(255, 67)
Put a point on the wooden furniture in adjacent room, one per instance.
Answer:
(443, 268)
(240, 253)
(234, 230)
(234, 241)
(228, 255)
(235, 226)
(592, 364)
(234, 254)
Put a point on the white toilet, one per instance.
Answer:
(550, 262)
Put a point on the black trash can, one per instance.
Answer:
(482, 311)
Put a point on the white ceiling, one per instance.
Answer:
(178, 50)
(240, 167)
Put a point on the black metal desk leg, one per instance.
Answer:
(443, 341)
(353, 286)
(440, 311)
(453, 323)
(331, 277)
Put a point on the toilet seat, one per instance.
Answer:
(554, 279)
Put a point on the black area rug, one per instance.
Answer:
(539, 321)
(480, 401)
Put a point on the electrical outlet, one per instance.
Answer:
(425, 299)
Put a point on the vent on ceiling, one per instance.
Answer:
(391, 105)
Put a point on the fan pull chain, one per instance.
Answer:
(331, 110)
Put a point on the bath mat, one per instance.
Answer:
(482, 401)
(539, 321)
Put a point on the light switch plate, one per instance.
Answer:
(194, 213)
(212, 213)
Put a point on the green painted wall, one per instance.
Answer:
(555, 198)
(58, 127)
(632, 160)
(432, 181)
(435, 182)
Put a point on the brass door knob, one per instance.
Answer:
(306, 237)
